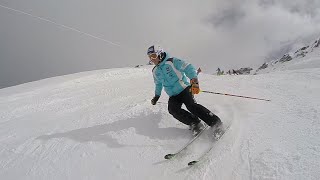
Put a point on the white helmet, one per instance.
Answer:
(155, 49)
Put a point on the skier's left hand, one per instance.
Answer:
(195, 89)
(154, 100)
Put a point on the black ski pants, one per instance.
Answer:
(197, 110)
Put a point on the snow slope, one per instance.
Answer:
(101, 125)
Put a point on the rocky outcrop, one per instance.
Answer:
(285, 58)
(300, 53)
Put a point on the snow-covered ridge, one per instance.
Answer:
(305, 57)
(76, 78)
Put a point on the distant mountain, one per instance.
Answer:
(291, 59)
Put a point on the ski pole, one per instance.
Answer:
(162, 102)
(235, 95)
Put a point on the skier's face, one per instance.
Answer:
(154, 58)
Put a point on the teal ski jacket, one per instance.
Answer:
(171, 73)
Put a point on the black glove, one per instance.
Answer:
(154, 100)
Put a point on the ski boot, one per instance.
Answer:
(196, 128)
(217, 129)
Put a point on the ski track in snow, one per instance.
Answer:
(101, 125)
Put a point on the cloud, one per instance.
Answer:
(227, 18)
(254, 31)
(207, 33)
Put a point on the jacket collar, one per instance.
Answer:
(166, 57)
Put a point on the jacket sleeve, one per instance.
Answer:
(185, 67)
(158, 84)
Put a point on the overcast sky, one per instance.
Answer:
(81, 35)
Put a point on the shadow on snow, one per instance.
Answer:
(146, 125)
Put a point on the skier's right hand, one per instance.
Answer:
(154, 100)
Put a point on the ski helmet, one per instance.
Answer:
(155, 49)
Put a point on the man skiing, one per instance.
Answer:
(171, 73)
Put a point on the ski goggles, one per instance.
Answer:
(153, 56)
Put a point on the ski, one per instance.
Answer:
(191, 163)
(170, 156)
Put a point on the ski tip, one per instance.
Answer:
(192, 163)
(169, 156)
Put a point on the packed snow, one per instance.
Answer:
(101, 125)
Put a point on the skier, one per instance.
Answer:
(234, 72)
(171, 73)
